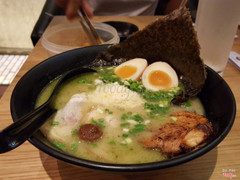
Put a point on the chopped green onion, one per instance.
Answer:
(137, 118)
(124, 124)
(156, 110)
(108, 76)
(124, 117)
(164, 103)
(60, 146)
(101, 125)
(82, 81)
(187, 104)
(129, 116)
(85, 81)
(54, 123)
(97, 123)
(94, 144)
(112, 142)
(126, 83)
(108, 111)
(74, 132)
(138, 128)
(75, 146)
(125, 135)
(101, 120)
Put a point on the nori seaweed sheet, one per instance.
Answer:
(171, 39)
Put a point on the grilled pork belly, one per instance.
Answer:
(185, 133)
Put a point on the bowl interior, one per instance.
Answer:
(68, 36)
(124, 29)
(216, 97)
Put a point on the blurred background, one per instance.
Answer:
(17, 19)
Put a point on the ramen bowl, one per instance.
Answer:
(216, 96)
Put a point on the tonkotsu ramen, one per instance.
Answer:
(141, 105)
(108, 118)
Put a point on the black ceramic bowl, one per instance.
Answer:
(216, 97)
(124, 29)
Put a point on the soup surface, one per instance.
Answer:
(124, 111)
(71, 37)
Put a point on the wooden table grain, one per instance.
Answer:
(27, 162)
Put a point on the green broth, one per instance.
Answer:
(122, 127)
(73, 86)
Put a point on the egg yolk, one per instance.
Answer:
(126, 71)
(159, 78)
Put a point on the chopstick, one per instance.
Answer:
(88, 27)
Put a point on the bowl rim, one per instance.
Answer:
(126, 167)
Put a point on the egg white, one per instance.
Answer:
(159, 66)
(138, 63)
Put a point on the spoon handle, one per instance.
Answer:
(18, 132)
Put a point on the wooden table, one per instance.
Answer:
(27, 162)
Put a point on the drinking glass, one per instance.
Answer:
(216, 25)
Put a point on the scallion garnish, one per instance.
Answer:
(112, 142)
(54, 123)
(137, 118)
(156, 110)
(108, 111)
(74, 132)
(85, 81)
(97, 123)
(124, 117)
(60, 146)
(94, 144)
(129, 116)
(101, 120)
(138, 128)
(187, 104)
(75, 146)
(124, 124)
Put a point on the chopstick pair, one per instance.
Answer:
(88, 27)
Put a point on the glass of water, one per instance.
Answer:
(216, 25)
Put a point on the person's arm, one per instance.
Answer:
(172, 5)
(73, 5)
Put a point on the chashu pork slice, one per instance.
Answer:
(187, 132)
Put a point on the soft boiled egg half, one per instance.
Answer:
(131, 69)
(159, 76)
